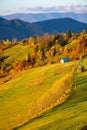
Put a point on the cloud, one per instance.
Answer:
(39, 9)
(67, 8)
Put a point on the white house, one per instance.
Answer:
(63, 60)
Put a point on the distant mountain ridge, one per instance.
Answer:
(16, 28)
(36, 17)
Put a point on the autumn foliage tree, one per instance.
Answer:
(41, 50)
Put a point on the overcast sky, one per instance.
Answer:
(41, 6)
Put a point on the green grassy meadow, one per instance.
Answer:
(70, 115)
(16, 53)
(24, 89)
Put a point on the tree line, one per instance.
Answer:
(46, 49)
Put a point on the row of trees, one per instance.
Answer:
(45, 49)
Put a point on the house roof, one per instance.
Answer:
(65, 59)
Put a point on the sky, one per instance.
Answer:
(41, 6)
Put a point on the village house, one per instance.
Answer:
(63, 60)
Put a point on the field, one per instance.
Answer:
(22, 90)
(70, 115)
(16, 53)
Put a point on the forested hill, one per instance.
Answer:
(16, 28)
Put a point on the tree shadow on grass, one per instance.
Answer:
(84, 128)
(27, 122)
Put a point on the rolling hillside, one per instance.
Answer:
(70, 115)
(10, 29)
(20, 94)
(28, 88)
(35, 93)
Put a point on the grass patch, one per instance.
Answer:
(24, 88)
(70, 115)
(16, 53)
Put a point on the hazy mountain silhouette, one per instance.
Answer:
(36, 17)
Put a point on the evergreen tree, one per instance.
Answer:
(68, 34)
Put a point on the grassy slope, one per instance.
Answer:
(24, 89)
(71, 115)
(16, 53)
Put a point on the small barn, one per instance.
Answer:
(80, 69)
(63, 60)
